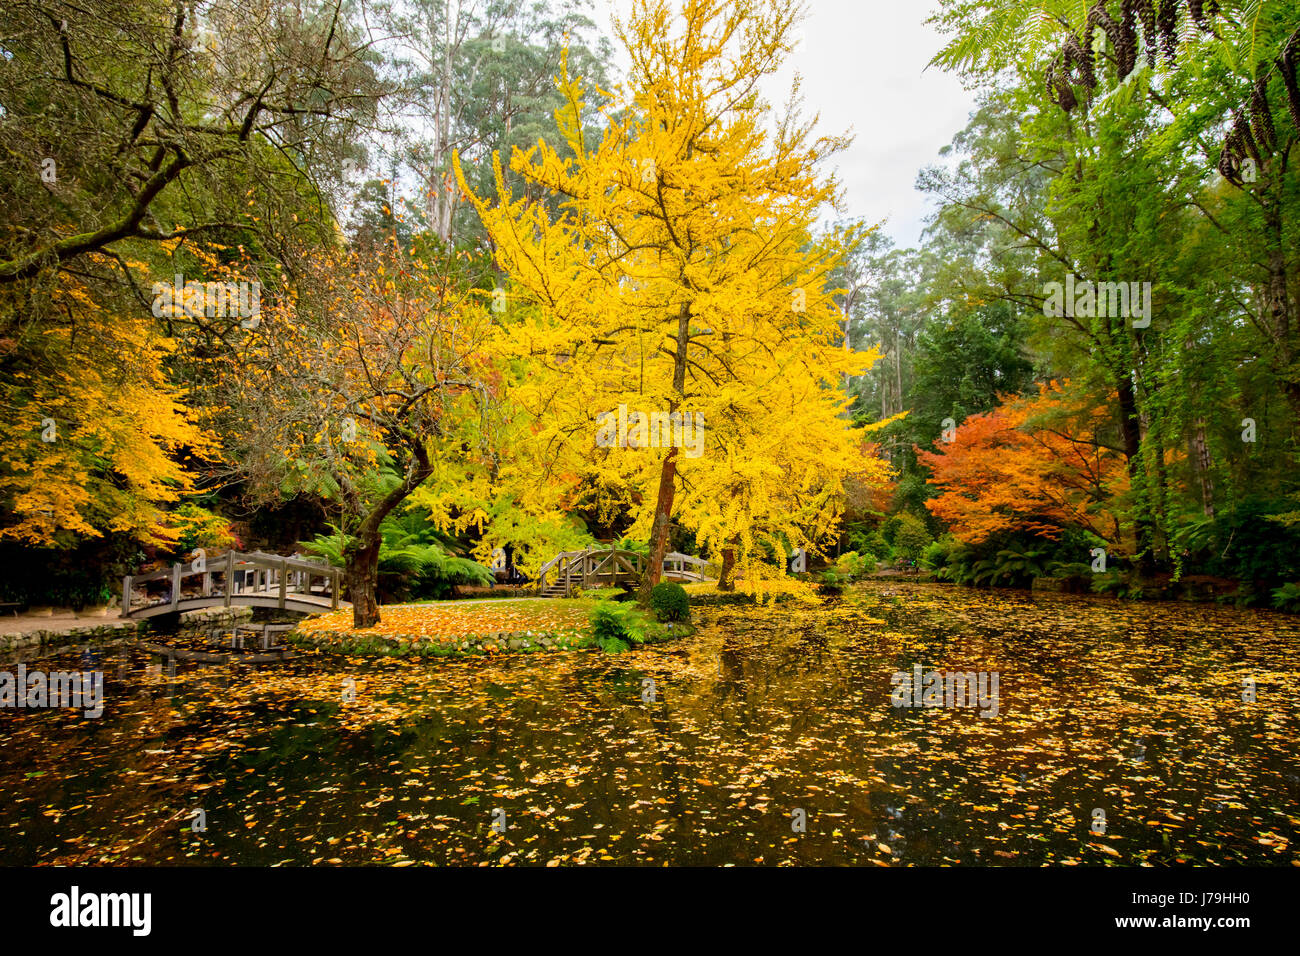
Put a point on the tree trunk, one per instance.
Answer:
(1201, 456)
(659, 530)
(668, 473)
(362, 574)
(728, 569)
(1278, 302)
(1131, 430)
(361, 556)
(898, 373)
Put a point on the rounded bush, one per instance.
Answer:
(669, 602)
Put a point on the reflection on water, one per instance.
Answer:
(1141, 712)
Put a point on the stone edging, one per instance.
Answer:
(91, 634)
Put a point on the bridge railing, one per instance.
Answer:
(555, 563)
(269, 573)
(590, 568)
(609, 566)
(684, 566)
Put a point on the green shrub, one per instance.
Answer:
(198, 527)
(618, 627)
(831, 583)
(912, 537)
(852, 566)
(889, 530)
(952, 560)
(871, 545)
(669, 602)
(935, 555)
(1014, 565)
(1287, 597)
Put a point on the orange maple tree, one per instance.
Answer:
(1036, 464)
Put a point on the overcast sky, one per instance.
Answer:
(863, 68)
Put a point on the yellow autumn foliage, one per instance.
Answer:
(681, 275)
(93, 430)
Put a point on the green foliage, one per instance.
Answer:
(1244, 542)
(851, 566)
(628, 544)
(912, 537)
(1287, 597)
(964, 362)
(935, 555)
(1015, 565)
(617, 627)
(668, 601)
(413, 563)
(952, 560)
(199, 527)
(831, 582)
(870, 542)
(889, 530)
(1115, 583)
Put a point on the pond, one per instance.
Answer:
(1160, 734)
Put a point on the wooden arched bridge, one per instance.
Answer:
(609, 567)
(253, 579)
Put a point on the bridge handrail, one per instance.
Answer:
(231, 563)
(577, 567)
(556, 560)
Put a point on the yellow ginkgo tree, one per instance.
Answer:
(680, 277)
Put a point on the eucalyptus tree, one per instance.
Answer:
(478, 77)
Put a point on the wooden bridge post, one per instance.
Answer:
(126, 596)
(334, 588)
(284, 580)
(176, 584)
(230, 575)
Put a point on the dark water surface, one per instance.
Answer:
(1134, 710)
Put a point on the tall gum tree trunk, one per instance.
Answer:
(1204, 464)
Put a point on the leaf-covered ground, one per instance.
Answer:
(453, 619)
(1134, 709)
